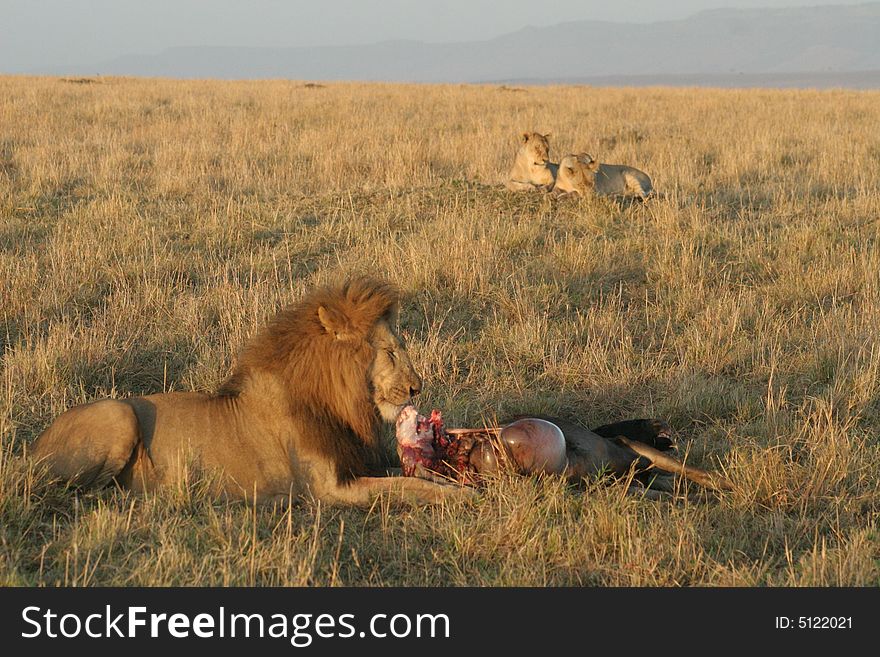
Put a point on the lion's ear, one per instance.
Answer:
(547, 136)
(391, 314)
(335, 323)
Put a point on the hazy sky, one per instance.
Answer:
(43, 33)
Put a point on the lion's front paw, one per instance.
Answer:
(464, 493)
(436, 492)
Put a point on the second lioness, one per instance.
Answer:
(581, 174)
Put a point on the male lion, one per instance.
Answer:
(299, 416)
(532, 170)
(581, 174)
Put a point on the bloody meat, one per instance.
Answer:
(427, 450)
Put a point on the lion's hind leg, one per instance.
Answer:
(640, 186)
(90, 444)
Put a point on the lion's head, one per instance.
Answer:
(394, 379)
(342, 364)
(577, 173)
(536, 148)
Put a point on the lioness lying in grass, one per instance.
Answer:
(581, 174)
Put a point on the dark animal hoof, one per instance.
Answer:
(652, 432)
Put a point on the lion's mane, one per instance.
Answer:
(326, 374)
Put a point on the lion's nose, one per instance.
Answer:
(415, 388)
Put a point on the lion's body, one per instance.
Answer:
(621, 180)
(532, 169)
(300, 416)
(581, 174)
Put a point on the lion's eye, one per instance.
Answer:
(391, 354)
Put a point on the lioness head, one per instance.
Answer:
(394, 379)
(536, 147)
(577, 173)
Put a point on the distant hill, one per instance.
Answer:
(726, 42)
(815, 80)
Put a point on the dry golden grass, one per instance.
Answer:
(148, 227)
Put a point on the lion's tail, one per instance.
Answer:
(90, 444)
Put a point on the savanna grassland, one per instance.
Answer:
(147, 228)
